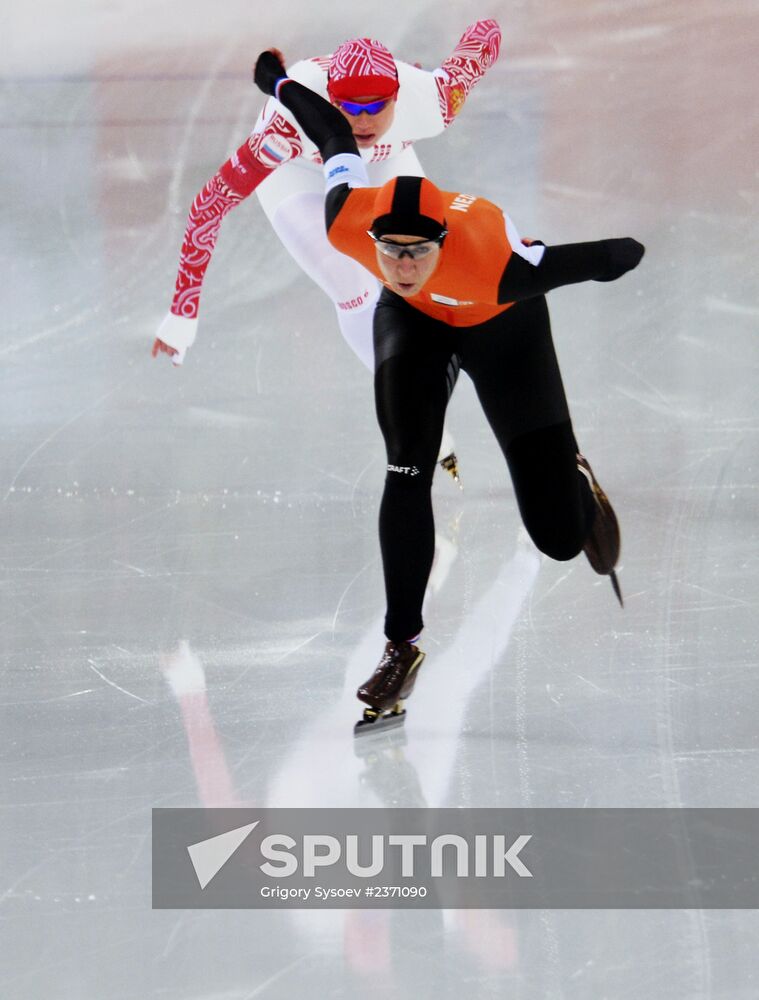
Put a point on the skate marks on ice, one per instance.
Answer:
(437, 708)
(317, 768)
(415, 767)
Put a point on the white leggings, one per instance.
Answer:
(293, 199)
(299, 223)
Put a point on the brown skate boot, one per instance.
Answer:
(390, 684)
(603, 543)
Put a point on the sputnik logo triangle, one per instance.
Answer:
(209, 856)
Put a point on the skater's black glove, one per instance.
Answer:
(623, 255)
(268, 70)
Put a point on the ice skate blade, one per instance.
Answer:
(615, 585)
(375, 722)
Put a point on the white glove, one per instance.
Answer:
(183, 670)
(178, 333)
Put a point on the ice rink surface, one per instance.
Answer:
(191, 580)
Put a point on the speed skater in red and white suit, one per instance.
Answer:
(283, 166)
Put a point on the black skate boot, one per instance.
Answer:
(451, 465)
(603, 543)
(390, 684)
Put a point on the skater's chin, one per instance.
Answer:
(405, 289)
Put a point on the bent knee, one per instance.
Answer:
(561, 551)
(561, 542)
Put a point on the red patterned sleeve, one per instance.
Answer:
(208, 209)
(476, 52)
(268, 147)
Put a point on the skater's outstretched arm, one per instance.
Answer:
(209, 207)
(232, 183)
(568, 264)
(475, 53)
(323, 124)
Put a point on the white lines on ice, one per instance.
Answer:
(134, 569)
(206, 601)
(552, 698)
(358, 479)
(115, 530)
(681, 684)
(154, 750)
(730, 599)
(78, 319)
(348, 587)
(91, 664)
(76, 108)
(205, 417)
(640, 33)
(676, 474)
(21, 609)
(174, 933)
(722, 348)
(55, 852)
(713, 304)
(247, 111)
(300, 645)
(649, 385)
(259, 355)
(60, 429)
(655, 399)
(45, 701)
(552, 61)
(581, 194)
(259, 990)
(126, 168)
(142, 841)
(176, 206)
(278, 659)
(562, 578)
(592, 685)
(672, 407)
(10, 892)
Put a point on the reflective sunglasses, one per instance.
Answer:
(416, 251)
(373, 108)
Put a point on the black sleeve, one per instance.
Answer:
(334, 202)
(568, 264)
(322, 123)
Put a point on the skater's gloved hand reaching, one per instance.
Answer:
(268, 70)
(623, 256)
(176, 335)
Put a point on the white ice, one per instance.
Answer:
(191, 575)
